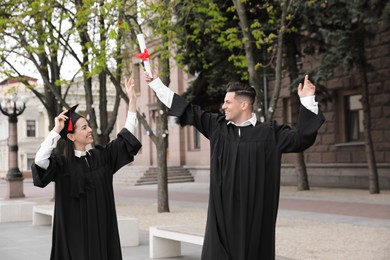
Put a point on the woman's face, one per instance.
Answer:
(82, 135)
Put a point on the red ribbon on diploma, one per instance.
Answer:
(144, 56)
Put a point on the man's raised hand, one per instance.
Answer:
(308, 88)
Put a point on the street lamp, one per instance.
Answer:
(12, 108)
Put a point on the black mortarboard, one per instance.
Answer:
(70, 122)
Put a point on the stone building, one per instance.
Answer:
(33, 123)
(337, 159)
(30, 125)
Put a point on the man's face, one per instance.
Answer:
(232, 107)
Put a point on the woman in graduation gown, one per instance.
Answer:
(85, 221)
(244, 168)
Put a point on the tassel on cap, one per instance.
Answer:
(70, 125)
(70, 122)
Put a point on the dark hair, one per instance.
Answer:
(69, 149)
(79, 178)
(242, 90)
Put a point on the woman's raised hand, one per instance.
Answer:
(59, 121)
(130, 91)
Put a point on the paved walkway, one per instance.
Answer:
(317, 224)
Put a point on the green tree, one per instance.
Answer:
(25, 35)
(298, 44)
(289, 15)
(215, 45)
(348, 26)
(203, 29)
(160, 21)
(47, 33)
(100, 38)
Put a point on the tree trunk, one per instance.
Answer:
(300, 165)
(162, 179)
(160, 139)
(300, 170)
(162, 185)
(251, 57)
(279, 60)
(373, 180)
(103, 137)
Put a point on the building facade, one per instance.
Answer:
(337, 159)
(33, 123)
(30, 126)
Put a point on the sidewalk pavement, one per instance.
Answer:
(317, 224)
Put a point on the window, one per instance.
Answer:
(30, 128)
(196, 140)
(350, 117)
(155, 65)
(291, 107)
(287, 114)
(137, 78)
(193, 138)
(139, 135)
(30, 160)
(354, 130)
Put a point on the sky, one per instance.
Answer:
(68, 70)
(70, 66)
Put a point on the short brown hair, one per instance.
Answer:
(242, 90)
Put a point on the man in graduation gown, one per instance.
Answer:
(245, 167)
(85, 223)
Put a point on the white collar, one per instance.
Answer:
(250, 121)
(78, 153)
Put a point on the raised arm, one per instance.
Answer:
(307, 89)
(164, 94)
(187, 113)
(131, 121)
(47, 146)
(130, 91)
(306, 93)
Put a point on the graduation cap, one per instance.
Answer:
(70, 122)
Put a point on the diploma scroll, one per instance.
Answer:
(144, 55)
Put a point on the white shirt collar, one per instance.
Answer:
(250, 121)
(78, 153)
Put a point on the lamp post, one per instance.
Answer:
(12, 108)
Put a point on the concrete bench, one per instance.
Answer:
(127, 226)
(128, 231)
(15, 210)
(166, 241)
(43, 215)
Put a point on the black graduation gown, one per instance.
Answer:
(85, 228)
(244, 179)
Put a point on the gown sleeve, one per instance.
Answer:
(189, 114)
(297, 140)
(122, 150)
(42, 177)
